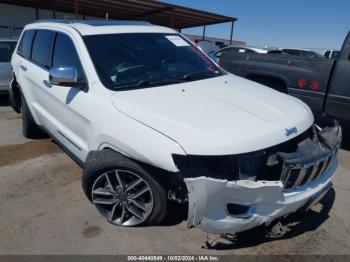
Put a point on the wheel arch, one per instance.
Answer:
(15, 95)
(143, 150)
(275, 82)
(161, 175)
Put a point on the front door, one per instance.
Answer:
(60, 107)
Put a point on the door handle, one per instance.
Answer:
(24, 68)
(47, 83)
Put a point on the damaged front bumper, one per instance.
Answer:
(222, 206)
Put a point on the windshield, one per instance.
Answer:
(128, 61)
(6, 50)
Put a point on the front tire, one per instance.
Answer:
(122, 191)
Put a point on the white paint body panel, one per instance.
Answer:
(208, 199)
(222, 115)
(89, 121)
(217, 116)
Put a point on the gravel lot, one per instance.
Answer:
(44, 211)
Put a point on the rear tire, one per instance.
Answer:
(112, 196)
(29, 128)
(15, 96)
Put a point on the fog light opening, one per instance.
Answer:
(240, 211)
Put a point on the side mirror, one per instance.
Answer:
(64, 76)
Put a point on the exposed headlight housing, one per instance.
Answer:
(251, 165)
(294, 162)
(230, 167)
(259, 165)
(220, 167)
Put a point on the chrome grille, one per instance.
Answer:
(294, 176)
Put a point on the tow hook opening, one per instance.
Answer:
(239, 211)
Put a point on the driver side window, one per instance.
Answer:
(65, 54)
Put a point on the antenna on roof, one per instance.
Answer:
(107, 16)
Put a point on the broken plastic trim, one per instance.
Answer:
(265, 201)
(312, 156)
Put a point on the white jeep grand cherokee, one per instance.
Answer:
(151, 118)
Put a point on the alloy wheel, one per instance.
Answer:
(122, 197)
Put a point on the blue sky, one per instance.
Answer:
(288, 23)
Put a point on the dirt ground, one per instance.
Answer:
(43, 211)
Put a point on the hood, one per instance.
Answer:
(217, 116)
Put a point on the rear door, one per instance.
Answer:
(32, 66)
(34, 69)
(20, 62)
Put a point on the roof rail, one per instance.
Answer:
(94, 22)
(60, 21)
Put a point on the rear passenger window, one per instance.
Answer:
(292, 52)
(307, 54)
(227, 51)
(41, 50)
(235, 50)
(25, 45)
(65, 54)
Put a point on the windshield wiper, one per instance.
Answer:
(141, 83)
(148, 83)
(168, 81)
(200, 75)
